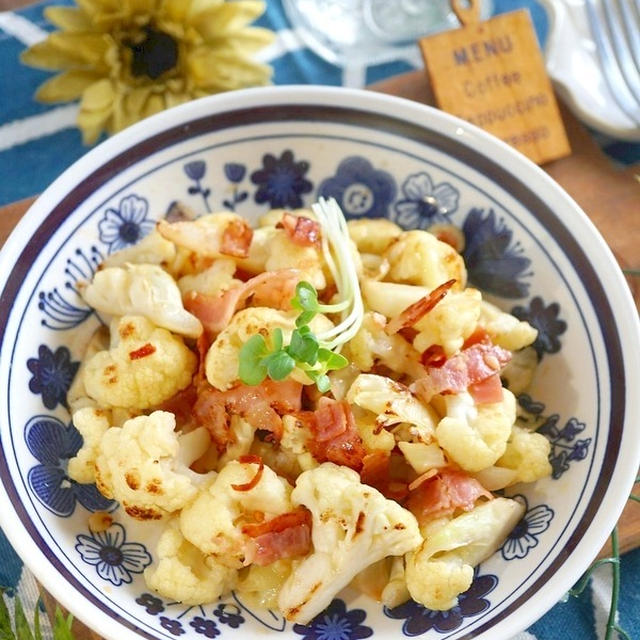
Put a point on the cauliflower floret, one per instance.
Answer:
(373, 236)
(142, 289)
(450, 322)
(391, 298)
(422, 457)
(152, 249)
(506, 330)
(77, 397)
(212, 522)
(418, 257)
(374, 436)
(371, 345)
(475, 436)
(145, 465)
(221, 362)
(260, 585)
(391, 401)
(204, 235)
(286, 254)
(92, 423)
(259, 250)
(214, 280)
(518, 373)
(442, 567)
(527, 453)
(241, 436)
(353, 526)
(184, 574)
(146, 366)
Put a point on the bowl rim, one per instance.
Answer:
(619, 298)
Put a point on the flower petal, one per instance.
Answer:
(88, 48)
(248, 41)
(418, 186)
(226, 18)
(68, 18)
(45, 55)
(68, 85)
(225, 71)
(50, 486)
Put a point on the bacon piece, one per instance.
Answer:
(214, 312)
(487, 391)
(236, 239)
(472, 365)
(335, 436)
(260, 406)
(247, 486)
(269, 289)
(386, 472)
(302, 231)
(272, 288)
(443, 494)
(285, 536)
(181, 405)
(419, 309)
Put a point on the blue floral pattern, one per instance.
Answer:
(229, 614)
(424, 202)
(174, 627)
(418, 619)
(545, 319)
(114, 558)
(152, 604)
(360, 189)
(53, 373)
(336, 622)
(59, 313)
(52, 443)
(205, 626)
(195, 171)
(495, 263)
(565, 448)
(281, 181)
(123, 227)
(235, 172)
(525, 534)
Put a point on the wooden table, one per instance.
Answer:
(609, 195)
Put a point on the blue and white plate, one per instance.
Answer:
(528, 247)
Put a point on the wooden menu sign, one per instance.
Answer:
(492, 74)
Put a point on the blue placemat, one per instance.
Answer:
(37, 142)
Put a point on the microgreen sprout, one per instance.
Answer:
(304, 351)
(313, 354)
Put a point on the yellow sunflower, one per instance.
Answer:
(129, 59)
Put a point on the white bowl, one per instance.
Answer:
(528, 246)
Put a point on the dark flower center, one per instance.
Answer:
(157, 53)
(112, 556)
(428, 206)
(520, 530)
(129, 232)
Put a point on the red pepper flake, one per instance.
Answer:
(419, 309)
(254, 481)
(144, 351)
(433, 356)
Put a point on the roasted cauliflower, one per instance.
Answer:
(144, 465)
(145, 366)
(353, 526)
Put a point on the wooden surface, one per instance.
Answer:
(608, 194)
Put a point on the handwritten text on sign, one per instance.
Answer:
(492, 74)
